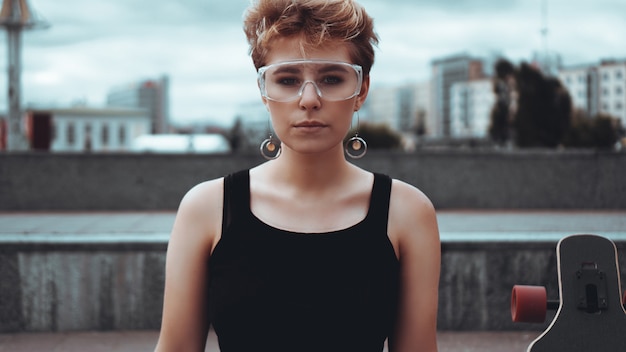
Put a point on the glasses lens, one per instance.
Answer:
(332, 80)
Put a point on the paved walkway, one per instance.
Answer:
(136, 341)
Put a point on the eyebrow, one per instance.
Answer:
(325, 69)
(332, 67)
(287, 69)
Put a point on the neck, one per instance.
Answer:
(312, 172)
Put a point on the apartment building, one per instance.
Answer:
(598, 88)
(612, 89)
(446, 72)
(404, 108)
(470, 108)
(150, 94)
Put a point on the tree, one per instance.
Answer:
(601, 131)
(544, 111)
(420, 123)
(377, 136)
(503, 86)
(235, 136)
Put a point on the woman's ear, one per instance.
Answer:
(263, 99)
(360, 99)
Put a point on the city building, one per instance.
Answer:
(582, 84)
(447, 71)
(404, 108)
(3, 132)
(598, 89)
(152, 95)
(82, 129)
(471, 103)
(549, 63)
(612, 89)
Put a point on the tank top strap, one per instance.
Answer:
(379, 202)
(236, 197)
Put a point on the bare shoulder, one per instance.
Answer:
(408, 202)
(412, 217)
(205, 194)
(200, 212)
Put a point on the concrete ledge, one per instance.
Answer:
(452, 179)
(69, 283)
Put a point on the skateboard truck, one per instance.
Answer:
(591, 288)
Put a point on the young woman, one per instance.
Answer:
(305, 252)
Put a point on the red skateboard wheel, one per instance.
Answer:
(529, 304)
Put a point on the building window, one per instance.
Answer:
(88, 144)
(605, 107)
(71, 133)
(122, 135)
(619, 90)
(105, 134)
(605, 76)
(619, 74)
(618, 106)
(605, 91)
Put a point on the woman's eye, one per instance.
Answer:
(288, 81)
(332, 80)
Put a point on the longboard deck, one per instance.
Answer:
(590, 316)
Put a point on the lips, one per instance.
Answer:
(309, 124)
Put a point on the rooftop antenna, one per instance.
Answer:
(545, 56)
(16, 16)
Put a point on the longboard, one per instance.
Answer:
(590, 312)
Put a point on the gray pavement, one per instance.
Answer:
(155, 226)
(134, 341)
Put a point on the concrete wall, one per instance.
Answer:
(119, 286)
(452, 179)
(86, 285)
(65, 287)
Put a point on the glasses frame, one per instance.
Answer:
(261, 79)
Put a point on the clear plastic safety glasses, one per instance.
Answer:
(332, 80)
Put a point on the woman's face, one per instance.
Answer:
(311, 124)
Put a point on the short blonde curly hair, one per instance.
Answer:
(317, 21)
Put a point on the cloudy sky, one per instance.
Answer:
(93, 45)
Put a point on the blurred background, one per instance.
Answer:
(101, 76)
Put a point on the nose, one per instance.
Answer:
(310, 96)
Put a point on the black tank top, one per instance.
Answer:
(275, 290)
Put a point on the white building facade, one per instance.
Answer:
(598, 89)
(446, 72)
(471, 103)
(97, 130)
(403, 108)
(582, 84)
(612, 89)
